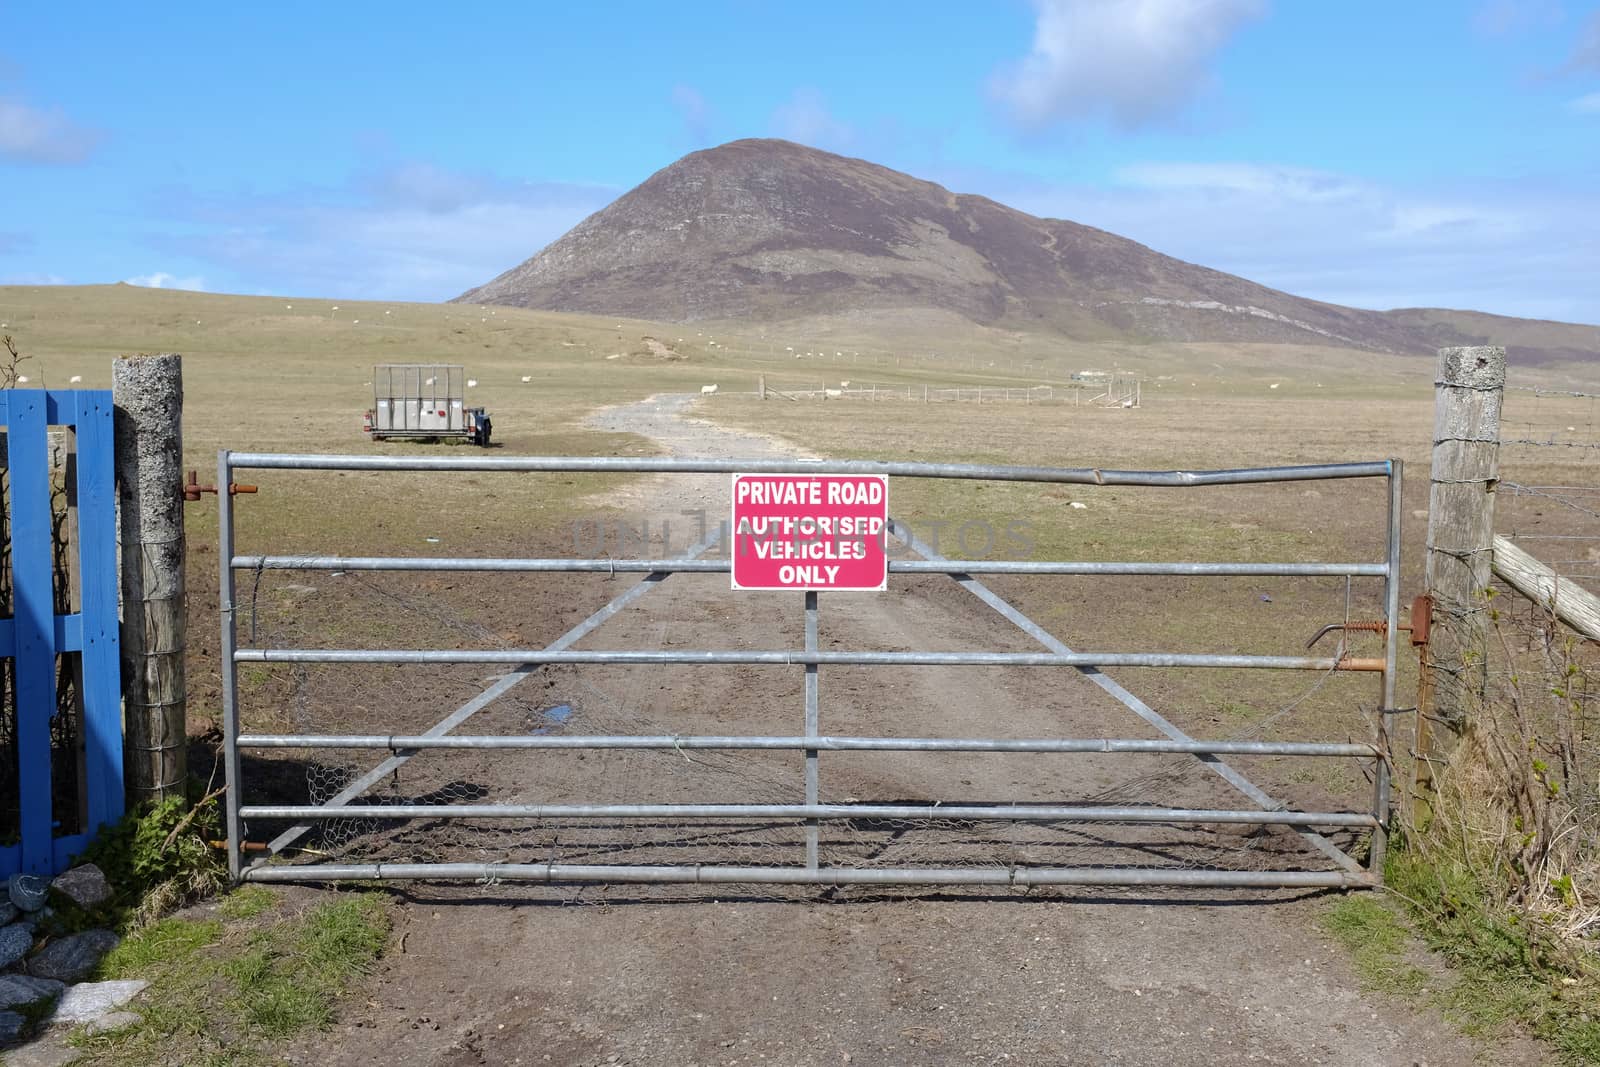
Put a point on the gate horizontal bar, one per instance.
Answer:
(723, 566)
(68, 630)
(832, 812)
(872, 659)
(831, 744)
(490, 873)
(656, 465)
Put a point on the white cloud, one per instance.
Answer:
(805, 118)
(1586, 51)
(32, 278)
(412, 231)
(162, 280)
(1132, 61)
(31, 135)
(1586, 105)
(1505, 18)
(1290, 183)
(695, 112)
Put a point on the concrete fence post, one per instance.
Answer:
(147, 393)
(1460, 552)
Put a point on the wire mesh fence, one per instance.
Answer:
(1548, 499)
(1542, 744)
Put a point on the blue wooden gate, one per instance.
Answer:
(35, 635)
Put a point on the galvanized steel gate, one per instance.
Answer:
(1261, 809)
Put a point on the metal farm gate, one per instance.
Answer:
(808, 822)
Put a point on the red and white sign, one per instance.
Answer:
(799, 531)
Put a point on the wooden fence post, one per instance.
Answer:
(1460, 552)
(148, 395)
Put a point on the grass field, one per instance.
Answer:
(291, 374)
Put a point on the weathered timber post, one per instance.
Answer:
(1460, 552)
(147, 392)
(761, 386)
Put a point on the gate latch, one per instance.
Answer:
(1421, 621)
(192, 488)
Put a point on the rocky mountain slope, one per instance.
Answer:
(769, 230)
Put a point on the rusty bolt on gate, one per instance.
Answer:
(192, 489)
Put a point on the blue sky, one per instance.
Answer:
(1376, 154)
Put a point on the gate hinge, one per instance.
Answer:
(192, 488)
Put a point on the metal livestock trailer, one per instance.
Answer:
(423, 400)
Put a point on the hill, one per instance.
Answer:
(769, 230)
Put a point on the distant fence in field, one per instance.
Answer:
(853, 357)
(1120, 391)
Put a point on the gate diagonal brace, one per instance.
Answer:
(490, 695)
(1217, 766)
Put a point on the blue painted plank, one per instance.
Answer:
(66, 849)
(97, 570)
(69, 635)
(33, 620)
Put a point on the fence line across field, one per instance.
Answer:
(1112, 392)
(810, 814)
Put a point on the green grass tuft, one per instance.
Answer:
(221, 992)
(247, 902)
(160, 944)
(1509, 973)
(286, 984)
(1377, 941)
(1504, 975)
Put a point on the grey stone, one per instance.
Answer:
(85, 886)
(117, 1020)
(11, 1026)
(92, 1000)
(73, 958)
(20, 990)
(8, 913)
(28, 891)
(15, 941)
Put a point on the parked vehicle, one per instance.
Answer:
(424, 401)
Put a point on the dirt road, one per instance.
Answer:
(494, 975)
